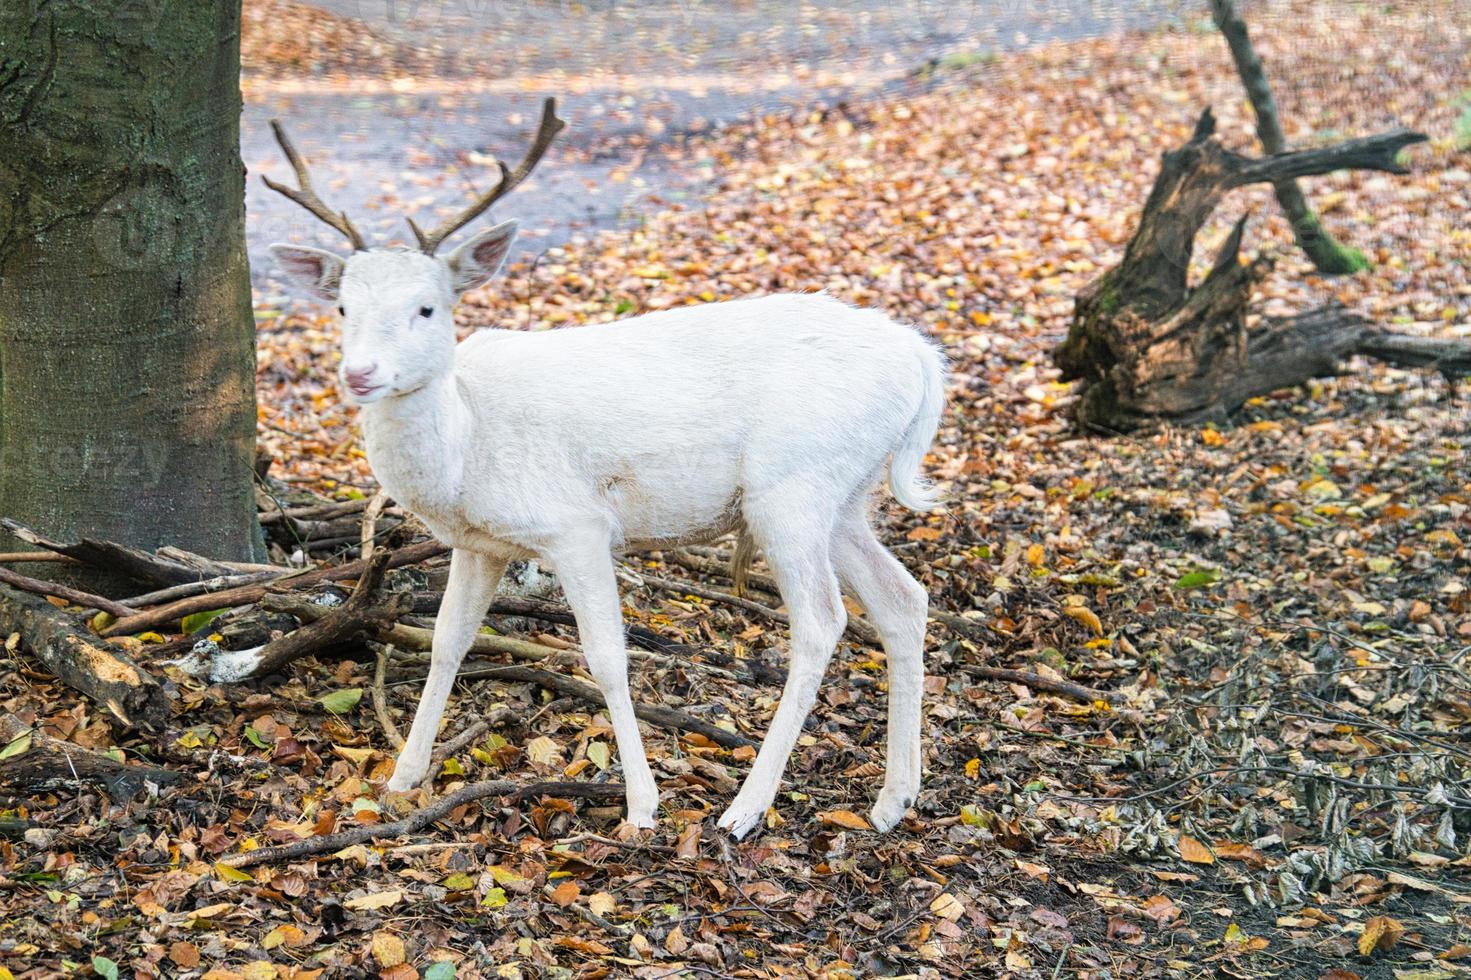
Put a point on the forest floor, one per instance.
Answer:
(1278, 607)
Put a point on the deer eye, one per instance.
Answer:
(426, 311)
(342, 311)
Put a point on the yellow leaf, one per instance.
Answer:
(1085, 616)
(388, 949)
(1194, 851)
(1380, 933)
(285, 934)
(947, 906)
(844, 818)
(228, 873)
(1036, 554)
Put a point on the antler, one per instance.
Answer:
(546, 132)
(306, 196)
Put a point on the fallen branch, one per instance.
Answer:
(201, 587)
(858, 628)
(1039, 683)
(38, 763)
(654, 714)
(419, 819)
(75, 596)
(354, 618)
(105, 676)
(380, 698)
(246, 594)
(116, 558)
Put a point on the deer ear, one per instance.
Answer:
(316, 271)
(473, 263)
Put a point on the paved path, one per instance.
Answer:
(631, 78)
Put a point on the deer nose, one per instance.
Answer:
(360, 379)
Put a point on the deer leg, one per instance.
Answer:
(473, 578)
(898, 606)
(804, 574)
(585, 570)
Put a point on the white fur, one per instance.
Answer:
(772, 416)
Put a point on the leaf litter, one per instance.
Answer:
(1280, 788)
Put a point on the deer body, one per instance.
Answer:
(774, 417)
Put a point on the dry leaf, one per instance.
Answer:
(844, 818)
(1380, 933)
(1194, 851)
(388, 949)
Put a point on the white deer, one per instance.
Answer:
(773, 418)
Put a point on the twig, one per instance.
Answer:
(370, 522)
(75, 596)
(654, 714)
(860, 629)
(17, 557)
(187, 589)
(245, 594)
(1039, 683)
(592, 918)
(631, 845)
(447, 749)
(419, 819)
(380, 700)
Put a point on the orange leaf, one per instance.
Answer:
(1195, 852)
(844, 818)
(566, 893)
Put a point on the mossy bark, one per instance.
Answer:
(1326, 252)
(127, 344)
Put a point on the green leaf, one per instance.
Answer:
(256, 738)
(195, 622)
(598, 753)
(16, 746)
(104, 967)
(1198, 578)
(343, 701)
(459, 882)
(494, 899)
(442, 970)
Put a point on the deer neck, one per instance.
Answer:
(416, 445)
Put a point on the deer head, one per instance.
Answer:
(397, 303)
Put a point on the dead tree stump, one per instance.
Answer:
(1148, 348)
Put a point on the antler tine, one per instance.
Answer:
(306, 196)
(547, 131)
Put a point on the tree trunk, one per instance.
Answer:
(1327, 254)
(1149, 348)
(127, 403)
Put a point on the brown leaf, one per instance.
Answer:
(1380, 933)
(1194, 851)
(566, 893)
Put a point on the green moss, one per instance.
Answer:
(1330, 256)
